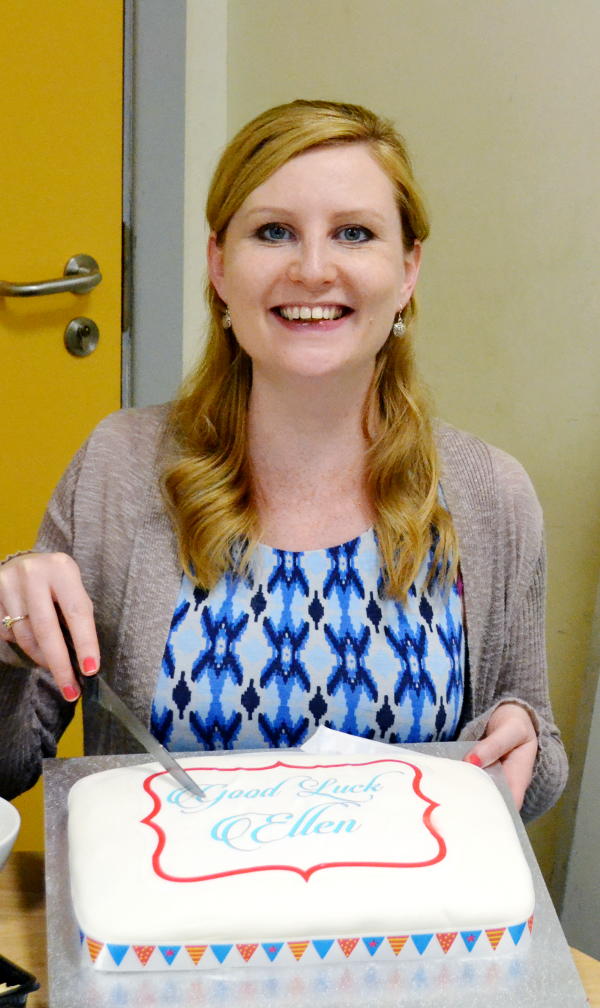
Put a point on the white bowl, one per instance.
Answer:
(10, 821)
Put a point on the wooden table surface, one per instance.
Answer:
(23, 927)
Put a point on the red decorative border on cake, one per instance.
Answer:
(305, 873)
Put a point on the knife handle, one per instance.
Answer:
(88, 684)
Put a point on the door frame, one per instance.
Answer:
(175, 123)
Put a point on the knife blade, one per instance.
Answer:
(97, 689)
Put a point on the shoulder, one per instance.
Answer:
(139, 429)
(483, 469)
(116, 467)
(125, 445)
(109, 492)
(487, 485)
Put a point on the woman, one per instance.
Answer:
(324, 529)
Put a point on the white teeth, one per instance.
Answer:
(306, 312)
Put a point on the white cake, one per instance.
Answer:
(299, 859)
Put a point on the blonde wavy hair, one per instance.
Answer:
(207, 481)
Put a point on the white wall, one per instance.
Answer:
(205, 137)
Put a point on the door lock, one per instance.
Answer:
(81, 336)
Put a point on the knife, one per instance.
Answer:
(96, 688)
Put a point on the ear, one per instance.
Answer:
(412, 265)
(216, 268)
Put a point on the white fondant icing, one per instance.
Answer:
(428, 846)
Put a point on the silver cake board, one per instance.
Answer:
(545, 976)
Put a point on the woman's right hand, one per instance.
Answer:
(41, 586)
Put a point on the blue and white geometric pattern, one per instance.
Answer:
(309, 639)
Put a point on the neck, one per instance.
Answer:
(306, 425)
(307, 452)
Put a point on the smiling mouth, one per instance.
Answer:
(311, 313)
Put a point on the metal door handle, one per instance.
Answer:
(81, 275)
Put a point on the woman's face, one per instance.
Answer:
(313, 266)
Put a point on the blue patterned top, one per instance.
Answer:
(310, 639)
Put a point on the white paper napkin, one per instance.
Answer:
(326, 741)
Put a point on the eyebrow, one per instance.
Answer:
(351, 214)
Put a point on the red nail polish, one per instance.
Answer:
(90, 665)
(70, 692)
(473, 758)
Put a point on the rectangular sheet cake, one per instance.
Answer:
(295, 859)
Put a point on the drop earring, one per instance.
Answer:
(398, 327)
(226, 320)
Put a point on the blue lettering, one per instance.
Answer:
(307, 823)
(246, 832)
(350, 825)
(276, 819)
(231, 829)
(298, 823)
(326, 827)
(306, 829)
(344, 825)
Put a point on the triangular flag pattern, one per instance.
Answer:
(372, 944)
(221, 951)
(421, 942)
(196, 952)
(143, 952)
(347, 945)
(298, 948)
(272, 949)
(446, 940)
(94, 948)
(397, 943)
(470, 939)
(494, 936)
(322, 946)
(530, 924)
(169, 952)
(516, 931)
(247, 951)
(117, 952)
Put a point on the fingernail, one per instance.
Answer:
(473, 758)
(70, 692)
(90, 665)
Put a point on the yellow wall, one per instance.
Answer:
(499, 104)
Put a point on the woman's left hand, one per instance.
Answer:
(511, 739)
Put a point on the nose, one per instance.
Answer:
(313, 264)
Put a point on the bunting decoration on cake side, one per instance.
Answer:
(420, 946)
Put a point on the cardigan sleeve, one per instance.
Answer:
(105, 501)
(518, 672)
(523, 681)
(34, 714)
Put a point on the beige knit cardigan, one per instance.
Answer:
(108, 514)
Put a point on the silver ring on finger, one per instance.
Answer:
(8, 621)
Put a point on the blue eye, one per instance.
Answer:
(355, 233)
(274, 233)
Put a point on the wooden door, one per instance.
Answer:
(61, 170)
